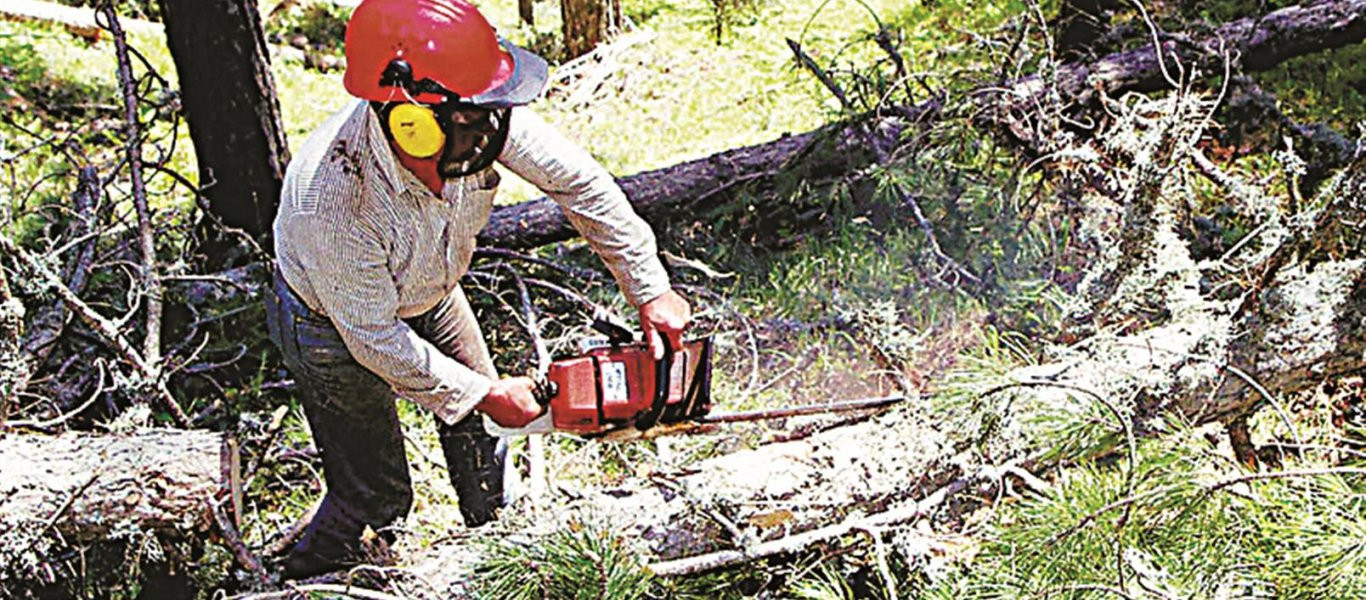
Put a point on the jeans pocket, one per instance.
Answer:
(320, 344)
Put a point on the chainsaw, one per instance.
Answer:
(614, 388)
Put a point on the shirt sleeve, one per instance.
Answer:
(591, 199)
(352, 282)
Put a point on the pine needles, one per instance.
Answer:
(1193, 525)
(584, 562)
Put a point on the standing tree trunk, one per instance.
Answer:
(587, 23)
(234, 117)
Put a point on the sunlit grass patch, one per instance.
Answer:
(60, 88)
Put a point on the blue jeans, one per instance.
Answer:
(352, 414)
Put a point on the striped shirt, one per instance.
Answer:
(361, 240)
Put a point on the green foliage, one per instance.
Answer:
(584, 562)
(825, 583)
(1327, 87)
(137, 9)
(322, 24)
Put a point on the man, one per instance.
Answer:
(377, 224)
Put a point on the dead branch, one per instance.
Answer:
(810, 64)
(151, 283)
(801, 541)
(13, 370)
(49, 322)
(103, 327)
(244, 556)
(535, 443)
(1260, 43)
(49, 424)
(330, 590)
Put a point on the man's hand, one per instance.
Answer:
(510, 402)
(667, 315)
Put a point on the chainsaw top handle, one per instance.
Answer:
(663, 371)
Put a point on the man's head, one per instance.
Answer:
(439, 78)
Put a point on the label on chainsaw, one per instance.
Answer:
(614, 382)
(676, 375)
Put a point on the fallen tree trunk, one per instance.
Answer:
(1251, 44)
(1207, 354)
(683, 189)
(78, 488)
(1262, 42)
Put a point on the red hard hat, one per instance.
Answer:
(446, 41)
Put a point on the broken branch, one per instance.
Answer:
(801, 541)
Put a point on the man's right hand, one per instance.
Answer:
(511, 403)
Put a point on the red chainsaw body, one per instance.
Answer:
(613, 386)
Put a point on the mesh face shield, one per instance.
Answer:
(474, 138)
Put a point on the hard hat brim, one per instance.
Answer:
(529, 75)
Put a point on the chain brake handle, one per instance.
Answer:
(663, 373)
(616, 332)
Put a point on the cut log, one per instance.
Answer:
(91, 487)
(837, 150)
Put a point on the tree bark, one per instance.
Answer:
(588, 23)
(88, 487)
(234, 117)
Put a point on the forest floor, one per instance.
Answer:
(818, 309)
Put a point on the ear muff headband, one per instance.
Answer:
(415, 130)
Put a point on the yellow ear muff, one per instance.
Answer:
(415, 130)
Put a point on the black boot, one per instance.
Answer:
(475, 461)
